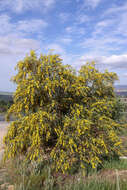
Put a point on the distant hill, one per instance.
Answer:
(121, 87)
(6, 93)
(121, 90)
(6, 96)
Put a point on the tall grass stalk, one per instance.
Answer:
(117, 180)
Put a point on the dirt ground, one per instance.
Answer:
(3, 131)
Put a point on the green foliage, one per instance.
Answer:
(62, 116)
(5, 105)
(119, 108)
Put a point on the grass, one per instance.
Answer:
(96, 185)
(116, 164)
(41, 177)
(27, 176)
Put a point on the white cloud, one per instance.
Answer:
(33, 25)
(112, 62)
(48, 3)
(24, 5)
(56, 48)
(82, 18)
(13, 45)
(75, 30)
(105, 26)
(69, 29)
(115, 10)
(118, 16)
(12, 49)
(15, 42)
(122, 24)
(64, 16)
(125, 75)
(5, 24)
(89, 3)
(104, 23)
(15, 37)
(109, 34)
(21, 27)
(100, 44)
(92, 3)
(116, 61)
(66, 40)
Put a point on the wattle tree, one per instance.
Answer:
(61, 115)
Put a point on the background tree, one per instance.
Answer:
(61, 115)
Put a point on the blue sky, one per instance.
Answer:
(79, 30)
